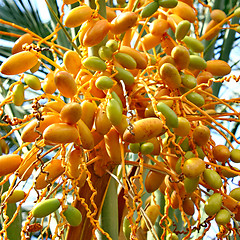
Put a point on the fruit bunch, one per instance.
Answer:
(135, 86)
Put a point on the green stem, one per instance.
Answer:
(14, 230)
(109, 215)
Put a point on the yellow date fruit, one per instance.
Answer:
(143, 129)
(193, 167)
(123, 22)
(16, 196)
(50, 173)
(60, 133)
(235, 155)
(65, 83)
(24, 39)
(18, 95)
(32, 81)
(78, 16)
(152, 212)
(201, 135)
(170, 75)
(71, 113)
(221, 153)
(9, 163)
(72, 62)
(18, 63)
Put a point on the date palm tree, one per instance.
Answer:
(26, 14)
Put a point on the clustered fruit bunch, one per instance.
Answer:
(136, 84)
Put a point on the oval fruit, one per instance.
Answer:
(223, 217)
(184, 11)
(65, 83)
(89, 109)
(9, 163)
(212, 178)
(124, 75)
(149, 9)
(153, 181)
(45, 207)
(235, 155)
(201, 135)
(71, 113)
(102, 123)
(53, 106)
(172, 236)
(74, 161)
(73, 215)
(188, 206)
(181, 57)
(197, 62)
(146, 148)
(60, 133)
(170, 75)
(114, 111)
(96, 33)
(24, 39)
(112, 44)
(213, 204)
(143, 129)
(125, 60)
(112, 145)
(169, 114)
(105, 53)
(32, 81)
(49, 85)
(94, 63)
(218, 67)
(193, 167)
(182, 29)
(218, 15)
(16, 196)
(29, 134)
(189, 81)
(194, 44)
(183, 127)
(18, 63)
(195, 98)
(123, 22)
(50, 173)
(221, 153)
(72, 62)
(152, 212)
(78, 16)
(134, 147)
(104, 83)
(168, 3)
(235, 193)
(18, 95)
(158, 27)
(149, 41)
(86, 136)
(190, 184)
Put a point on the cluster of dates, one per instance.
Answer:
(125, 100)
